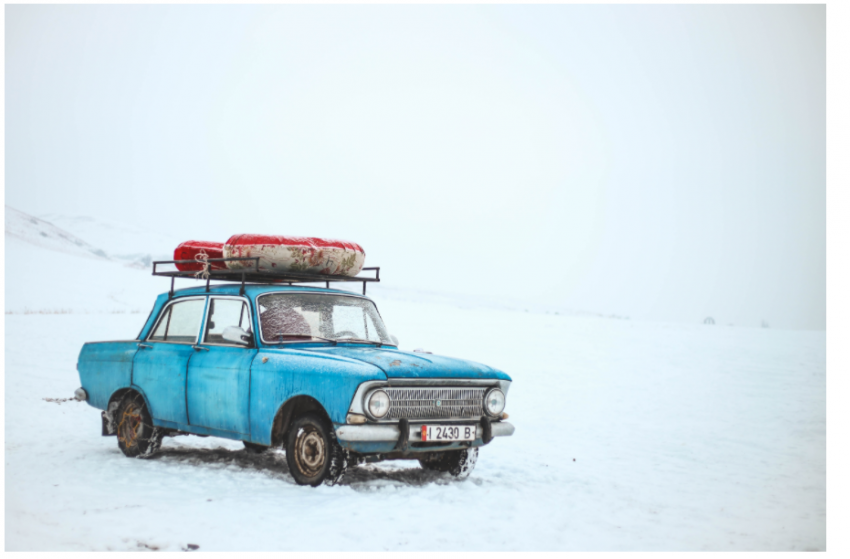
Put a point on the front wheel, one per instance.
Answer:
(458, 463)
(137, 436)
(313, 453)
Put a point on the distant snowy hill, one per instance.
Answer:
(132, 245)
(91, 237)
(126, 242)
(35, 231)
(50, 270)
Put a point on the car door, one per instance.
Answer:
(159, 367)
(219, 371)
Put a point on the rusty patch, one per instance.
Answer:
(395, 363)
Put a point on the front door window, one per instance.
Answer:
(225, 313)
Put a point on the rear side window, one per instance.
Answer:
(180, 322)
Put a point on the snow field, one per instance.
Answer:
(37, 281)
(684, 438)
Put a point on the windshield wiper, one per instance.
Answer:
(362, 340)
(292, 335)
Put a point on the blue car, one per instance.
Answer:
(309, 369)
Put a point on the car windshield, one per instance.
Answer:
(287, 317)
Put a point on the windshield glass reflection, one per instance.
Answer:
(289, 317)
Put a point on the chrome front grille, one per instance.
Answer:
(435, 403)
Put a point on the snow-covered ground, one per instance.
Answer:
(629, 436)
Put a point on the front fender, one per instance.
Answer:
(278, 375)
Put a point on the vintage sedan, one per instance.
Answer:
(312, 370)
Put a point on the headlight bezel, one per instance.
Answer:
(367, 400)
(487, 394)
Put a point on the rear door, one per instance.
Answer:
(219, 373)
(159, 367)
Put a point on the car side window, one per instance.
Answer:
(224, 313)
(180, 322)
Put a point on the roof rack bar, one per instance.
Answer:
(252, 274)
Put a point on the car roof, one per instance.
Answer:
(251, 290)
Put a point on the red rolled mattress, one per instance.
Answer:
(193, 250)
(279, 253)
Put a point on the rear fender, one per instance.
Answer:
(104, 368)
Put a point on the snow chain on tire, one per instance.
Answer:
(154, 443)
(465, 463)
(457, 463)
(339, 463)
(137, 436)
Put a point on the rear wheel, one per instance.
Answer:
(313, 453)
(137, 436)
(458, 463)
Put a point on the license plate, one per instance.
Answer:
(448, 432)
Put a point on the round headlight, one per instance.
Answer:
(494, 402)
(378, 404)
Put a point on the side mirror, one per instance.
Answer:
(236, 335)
(394, 340)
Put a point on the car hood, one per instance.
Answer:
(402, 364)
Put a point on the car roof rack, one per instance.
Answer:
(253, 274)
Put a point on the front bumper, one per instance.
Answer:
(391, 433)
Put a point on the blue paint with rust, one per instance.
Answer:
(230, 392)
(402, 364)
(160, 373)
(106, 367)
(291, 372)
(219, 381)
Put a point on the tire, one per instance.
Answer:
(137, 436)
(457, 463)
(313, 453)
(253, 448)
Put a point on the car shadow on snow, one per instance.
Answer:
(273, 463)
(393, 473)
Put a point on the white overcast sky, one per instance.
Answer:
(660, 162)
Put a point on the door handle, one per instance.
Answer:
(145, 346)
(198, 348)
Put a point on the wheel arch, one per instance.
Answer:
(119, 395)
(295, 407)
(112, 405)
